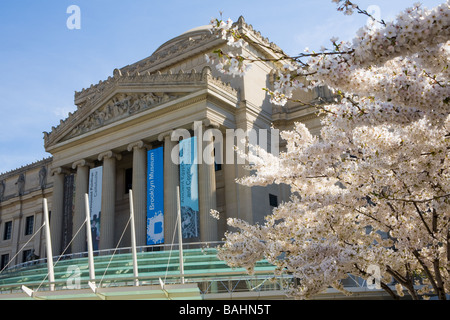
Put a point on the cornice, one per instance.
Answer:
(267, 47)
(90, 102)
(35, 194)
(34, 165)
(153, 113)
(146, 74)
(182, 49)
(192, 44)
(170, 55)
(301, 114)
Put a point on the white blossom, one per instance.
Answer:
(375, 188)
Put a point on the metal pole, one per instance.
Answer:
(48, 242)
(133, 240)
(180, 236)
(89, 239)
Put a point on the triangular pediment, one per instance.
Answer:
(126, 96)
(121, 106)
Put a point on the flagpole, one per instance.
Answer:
(89, 240)
(133, 240)
(48, 242)
(180, 237)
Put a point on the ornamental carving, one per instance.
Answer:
(121, 106)
(21, 184)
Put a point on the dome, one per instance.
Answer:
(195, 33)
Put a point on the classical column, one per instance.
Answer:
(206, 183)
(79, 217)
(244, 193)
(171, 181)
(57, 217)
(140, 190)
(108, 199)
(230, 170)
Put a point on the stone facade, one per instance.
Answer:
(21, 210)
(135, 110)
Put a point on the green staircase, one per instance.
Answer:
(117, 270)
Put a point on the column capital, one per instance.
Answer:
(59, 170)
(138, 144)
(164, 135)
(109, 155)
(206, 123)
(82, 163)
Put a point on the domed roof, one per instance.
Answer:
(194, 34)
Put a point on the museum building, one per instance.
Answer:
(122, 137)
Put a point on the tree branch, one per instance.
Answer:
(427, 271)
(384, 286)
(419, 201)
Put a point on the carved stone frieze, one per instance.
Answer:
(120, 106)
(90, 116)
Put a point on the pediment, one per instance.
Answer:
(121, 106)
(118, 106)
(126, 95)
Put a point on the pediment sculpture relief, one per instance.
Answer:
(120, 106)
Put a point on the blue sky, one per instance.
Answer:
(43, 63)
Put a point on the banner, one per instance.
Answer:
(69, 200)
(190, 218)
(95, 203)
(155, 196)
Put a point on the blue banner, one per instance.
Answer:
(190, 218)
(155, 196)
(95, 203)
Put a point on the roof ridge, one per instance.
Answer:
(7, 174)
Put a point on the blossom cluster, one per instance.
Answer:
(346, 6)
(233, 63)
(375, 188)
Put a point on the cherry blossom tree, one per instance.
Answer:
(374, 189)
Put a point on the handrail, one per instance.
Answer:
(171, 279)
(266, 277)
(219, 276)
(105, 252)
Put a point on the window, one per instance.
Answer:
(25, 255)
(29, 225)
(128, 180)
(4, 261)
(273, 200)
(8, 230)
(217, 166)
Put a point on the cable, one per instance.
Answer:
(67, 247)
(22, 248)
(114, 252)
(171, 247)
